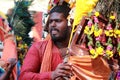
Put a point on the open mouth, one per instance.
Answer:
(54, 31)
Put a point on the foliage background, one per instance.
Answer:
(20, 19)
(107, 7)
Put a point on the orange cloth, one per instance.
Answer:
(46, 63)
(85, 68)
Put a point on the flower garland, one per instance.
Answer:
(95, 34)
(22, 48)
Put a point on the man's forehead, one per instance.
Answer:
(56, 15)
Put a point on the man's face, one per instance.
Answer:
(58, 28)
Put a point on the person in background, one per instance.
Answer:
(9, 54)
(45, 59)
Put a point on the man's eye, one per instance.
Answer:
(50, 21)
(57, 20)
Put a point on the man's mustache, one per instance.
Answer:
(54, 29)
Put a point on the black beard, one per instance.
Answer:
(62, 38)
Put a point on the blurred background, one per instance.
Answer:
(37, 5)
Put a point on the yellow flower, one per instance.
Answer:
(99, 50)
(92, 29)
(106, 33)
(19, 45)
(97, 14)
(116, 31)
(25, 45)
(109, 53)
(112, 17)
(17, 37)
(94, 56)
(98, 33)
(86, 31)
(109, 33)
(20, 38)
(92, 51)
(22, 46)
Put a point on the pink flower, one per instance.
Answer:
(97, 38)
(90, 47)
(96, 19)
(109, 27)
(109, 47)
(89, 23)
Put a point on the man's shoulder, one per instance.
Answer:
(40, 43)
(40, 46)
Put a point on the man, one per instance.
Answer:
(44, 60)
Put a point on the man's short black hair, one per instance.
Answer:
(64, 8)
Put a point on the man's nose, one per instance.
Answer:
(53, 24)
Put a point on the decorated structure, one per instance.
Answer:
(95, 38)
(94, 41)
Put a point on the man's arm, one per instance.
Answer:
(31, 65)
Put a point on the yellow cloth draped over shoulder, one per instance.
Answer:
(83, 67)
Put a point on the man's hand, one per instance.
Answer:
(62, 70)
(10, 65)
(12, 62)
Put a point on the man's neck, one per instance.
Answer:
(63, 44)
